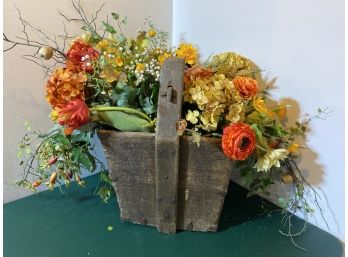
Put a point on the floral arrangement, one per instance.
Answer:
(107, 80)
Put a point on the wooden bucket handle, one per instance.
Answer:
(167, 143)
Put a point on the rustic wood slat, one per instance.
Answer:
(167, 143)
(204, 176)
(131, 162)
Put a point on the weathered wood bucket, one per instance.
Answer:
(162, 179)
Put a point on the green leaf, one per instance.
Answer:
(257, 131)
(276, 131)
(92, 160)
(81, 137)
(121, 38)
(104, 177)
(253, 117)
(126, 97)
(251, 193)
(81, 157)
(104, 193)
(148, 106)
(60, 138)
(109, 28)
(123, 121)
(116, 16)
(125, 20)
(110, 228)
(247, 176)
(121, 85)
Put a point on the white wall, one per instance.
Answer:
(301, 44)
(24, 92)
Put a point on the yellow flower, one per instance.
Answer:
(103, 45)
(164, 57)
(140, 67)
(188, 53)
(261, 107)
(214, 95)
(151, 33)
(271, 159)
(231, 64)
(293, 148)
(109, 73)
(210, 119)
(119, 61)
(54, 115)
(191, 116)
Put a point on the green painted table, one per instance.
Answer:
(50, 224)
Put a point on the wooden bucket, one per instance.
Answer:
(162, 179)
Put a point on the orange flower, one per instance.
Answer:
(246, 86)
(81, 55)
(281, 112)
(65, 85)
(196, 71)
(293, 148)
(238, 141)
(73, 115)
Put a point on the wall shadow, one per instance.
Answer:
(239, 209)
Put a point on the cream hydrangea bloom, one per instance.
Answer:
(191, 116)
(235, 113)
(271, 159)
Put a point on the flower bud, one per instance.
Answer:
(46, 52)
(151, 33)
(53, 178)
(52, 160)
(181, 126)
(273, 143)
(68, 175)
(36, 183)
(287, 178)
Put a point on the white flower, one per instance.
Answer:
(271, 159)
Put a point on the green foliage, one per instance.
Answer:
(104, 193)
(125, 96)
(109, 28)
(79, 155)
(116, 16)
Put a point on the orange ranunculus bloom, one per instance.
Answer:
(238, 141)
(73, 115)
(81, 56)
(65, 85)
(247, 87)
